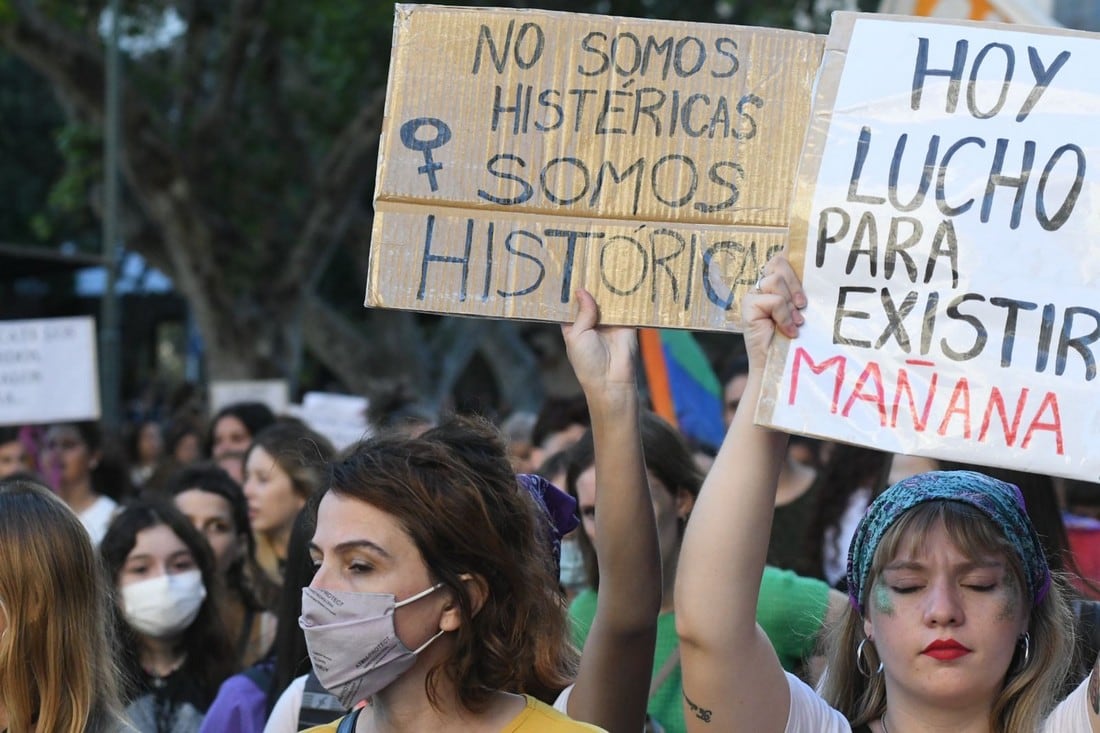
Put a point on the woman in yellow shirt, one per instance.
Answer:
(434, 591)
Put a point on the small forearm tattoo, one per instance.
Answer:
(704, 714)
(1094, 688)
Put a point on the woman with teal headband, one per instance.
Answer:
(955, 621)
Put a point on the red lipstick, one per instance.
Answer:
(945, 650)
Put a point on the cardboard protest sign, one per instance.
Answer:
(526, 154)
(48, 371)
(945, 229)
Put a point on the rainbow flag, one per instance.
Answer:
(682, 386)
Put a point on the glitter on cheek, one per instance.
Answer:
(884, 603)
(1010, 590)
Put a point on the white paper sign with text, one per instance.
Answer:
(946, 224)
(48, 371)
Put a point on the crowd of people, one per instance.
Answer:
(585, 569)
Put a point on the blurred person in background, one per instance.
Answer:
(13, 454)
(78, 468)
(281, 693)
(1081, 515)
(560, 423)
(183, 447)
(146, 452)
(517, 429)
(183, 443)
(231, 433)
(216, 507)
(849, 479)
(284, 467)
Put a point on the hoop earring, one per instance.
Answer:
(1026, 639)
(859, 660)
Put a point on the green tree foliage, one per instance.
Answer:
(250, 132)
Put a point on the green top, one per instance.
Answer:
(791, 610)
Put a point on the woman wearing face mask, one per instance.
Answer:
(283, 469)
(173, 648)
(56, 671)
(436, 590)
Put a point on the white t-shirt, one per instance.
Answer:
(284, 716)
(97, 517)
(562, 703)
(810, 714)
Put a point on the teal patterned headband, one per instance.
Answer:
(1000, 501)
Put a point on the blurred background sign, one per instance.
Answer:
(1036, 12)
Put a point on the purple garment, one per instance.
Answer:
(559, 508)
(240, 707)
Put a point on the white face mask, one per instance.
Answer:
(165, 605)
(571, 572)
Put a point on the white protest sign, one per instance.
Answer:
(48, 371)
(275, 393)
(945, 228)
(340, 418)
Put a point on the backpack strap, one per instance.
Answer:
(347, 725)
(261, 674)
(318, 706)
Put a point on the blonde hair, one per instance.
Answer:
(56, 666)
(1030, 690)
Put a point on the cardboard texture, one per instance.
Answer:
(526, 154)
(943, 225)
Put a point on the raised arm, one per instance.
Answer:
(612, 685)
(732, 677)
